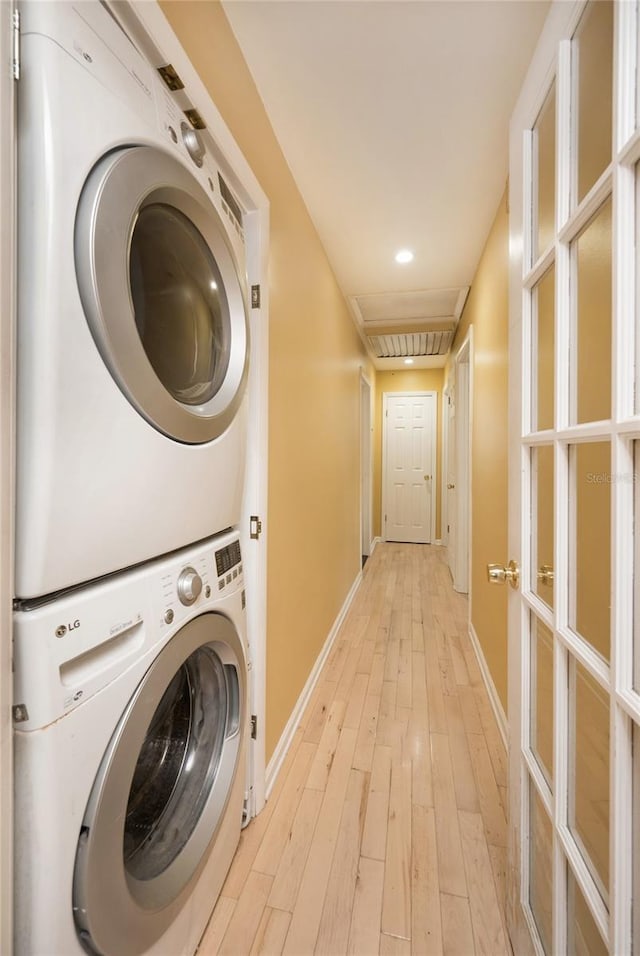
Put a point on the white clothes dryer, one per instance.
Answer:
(130, 748)
(132, 317)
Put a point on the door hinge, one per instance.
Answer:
(254, 726)
(255, 527)
(15, 66)
(255, 296)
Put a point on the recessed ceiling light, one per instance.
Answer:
(405, 255)
(214, 285)
(408, 361)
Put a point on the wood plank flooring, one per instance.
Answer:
(385, 832)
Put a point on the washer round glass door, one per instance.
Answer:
(162, 292)
(162, 790)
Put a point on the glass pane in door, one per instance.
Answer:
(591, 369)
(589, 773)
(542, 522)
(541, 729)
(584, 938)
(593, 56)
(543, 351)
(545, 153)
(590, 536)
(540, 867)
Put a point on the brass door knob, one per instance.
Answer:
(545, 574)
(498, 574)
(450, 487)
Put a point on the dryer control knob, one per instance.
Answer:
(189, 586)
(193, 142)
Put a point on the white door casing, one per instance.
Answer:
(461, 479)
(574, 701)
(366, 470)
(444, 467)
(7, 431)
(409, 475)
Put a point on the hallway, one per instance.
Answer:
(386, 828)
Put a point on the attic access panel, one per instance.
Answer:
(411, 344)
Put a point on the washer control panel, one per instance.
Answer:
(189, 586)
(191, 582)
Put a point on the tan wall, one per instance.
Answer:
(487, 310)
(315, 356)
(416, 380)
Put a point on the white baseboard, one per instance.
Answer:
(496, 703)
(377, 540)
(438, 542)
(277, 758)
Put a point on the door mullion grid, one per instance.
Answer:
(563, 320)
(535, 773)
(560, 792)
(539, 608)
(529, 145)
(582, 651)
(623, 493)
(625, 89)
(564, 134)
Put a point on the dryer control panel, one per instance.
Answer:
(228, 564)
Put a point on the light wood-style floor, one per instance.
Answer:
(385, 831)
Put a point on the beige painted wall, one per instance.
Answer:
(487, 309)
(315, 357)
(413, 380)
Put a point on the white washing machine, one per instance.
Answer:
(132, 316)
(130, 756)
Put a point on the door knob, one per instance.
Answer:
(450, 487)
(427, 477)
(498, 574)
(545, 574)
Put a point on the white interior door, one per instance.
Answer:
(450, 488)
(574, 674)
(409, 466)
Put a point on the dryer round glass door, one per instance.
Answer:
(162, 790)
(163, 292)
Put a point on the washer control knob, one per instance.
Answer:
(193, 142)
(189, 586)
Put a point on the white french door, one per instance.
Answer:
(409, 466)
(574, 640)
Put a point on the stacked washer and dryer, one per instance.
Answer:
(131, 660)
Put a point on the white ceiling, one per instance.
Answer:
(393, 117)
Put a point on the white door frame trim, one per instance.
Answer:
(464, 485)
(434, 433)
(444, 495)
(254, 552)
(366, 466)
(7, 464)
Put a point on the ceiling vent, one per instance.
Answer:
(411, 344)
